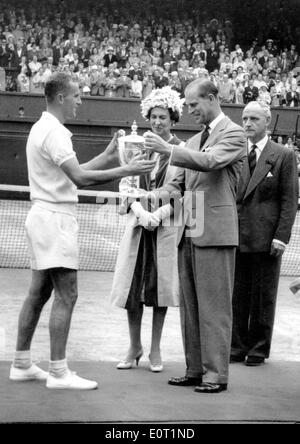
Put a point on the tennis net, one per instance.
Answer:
(100, 228)
(100, 231)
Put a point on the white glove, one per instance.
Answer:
(123, 207)
(125, 185)
(144, 218)
(164, 212)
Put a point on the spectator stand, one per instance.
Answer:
(121, 49)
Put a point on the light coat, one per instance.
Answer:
(167, 263)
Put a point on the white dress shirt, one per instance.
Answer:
(215, 122)
(260, 146)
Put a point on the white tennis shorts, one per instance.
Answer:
(52, 239)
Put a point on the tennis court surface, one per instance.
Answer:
(99, 339)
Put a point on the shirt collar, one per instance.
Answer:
(50, 116)
(215, 122)
(260, 144)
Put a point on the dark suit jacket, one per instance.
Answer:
(84, 55)
(57, 54)
(263, 61)
(5, 56)
(250, 94)
(293, 96)
(109, 59)
(267, 202)
(284, 66)
(122, 57)
(138, 72)
(16, 58)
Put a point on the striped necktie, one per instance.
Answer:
(252, 159)
(204, 136)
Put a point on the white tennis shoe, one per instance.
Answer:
(70, 382)
(33, 373)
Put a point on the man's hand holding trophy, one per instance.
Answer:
(132, 152)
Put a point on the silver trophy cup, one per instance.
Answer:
(129, 147)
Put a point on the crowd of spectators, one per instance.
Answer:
(126, 48)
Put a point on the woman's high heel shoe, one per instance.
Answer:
(155, 368)
(129, 361)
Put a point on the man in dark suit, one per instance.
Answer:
(293, 97)
(264, 59)
(84, 54)
(135, 70)
(58, 53)
(18, 53)
(250, 92)
(122, 55)
(284, 63)
(5, 53)
(210, 165)
(110, 57)
(267, 201)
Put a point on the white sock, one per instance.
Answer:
(22, 359)
(58, 369)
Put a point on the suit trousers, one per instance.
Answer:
(206, 285)
(254, 303)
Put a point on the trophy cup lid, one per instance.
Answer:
(133, 137)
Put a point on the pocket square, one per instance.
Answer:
(270, 174)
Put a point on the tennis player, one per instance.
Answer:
(51, 227)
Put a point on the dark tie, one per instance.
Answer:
(252, 159)
(204, 136)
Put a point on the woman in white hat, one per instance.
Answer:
(146, 270)
(264, 95)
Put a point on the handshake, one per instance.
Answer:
(149, 220)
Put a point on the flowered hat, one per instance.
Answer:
(165, 97)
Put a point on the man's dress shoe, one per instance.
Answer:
(210, 387)
(184, 381)
(255, 361)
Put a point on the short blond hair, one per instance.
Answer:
(59, 82)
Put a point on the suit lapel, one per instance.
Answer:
(244, 180)
(215, 133)
(211, 140)
(264, 165)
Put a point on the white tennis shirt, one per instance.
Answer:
(49, 145)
